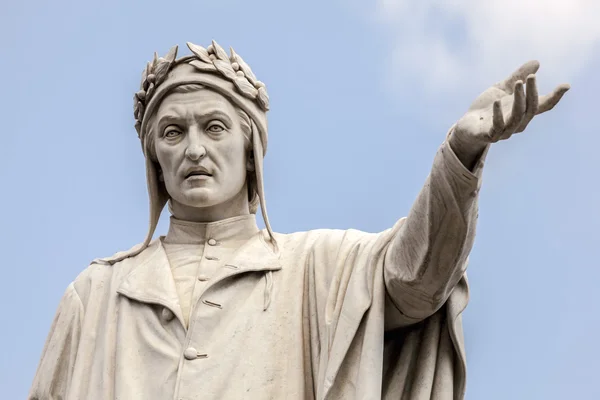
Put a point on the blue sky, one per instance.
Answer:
(362, 94)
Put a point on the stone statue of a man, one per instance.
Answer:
(218, 309)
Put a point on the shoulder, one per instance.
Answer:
(320, 238)
(103, 273)
(337, 239)
(310, 236)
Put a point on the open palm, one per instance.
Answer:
(507, 107)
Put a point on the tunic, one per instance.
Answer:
(192, 263)
(329, 314)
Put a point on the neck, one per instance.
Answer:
(235, 207)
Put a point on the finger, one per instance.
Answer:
(497, 122)
(532, 103)
(518, 111)
(530, 67)
(548, 101)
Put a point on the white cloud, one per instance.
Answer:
(456, 42)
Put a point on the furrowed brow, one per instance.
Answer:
(168, 119)
(207, 115)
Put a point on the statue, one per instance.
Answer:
(218, 309)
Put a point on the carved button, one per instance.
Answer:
(190, 353)
(203, 278)
(212, 242)
(167, 315)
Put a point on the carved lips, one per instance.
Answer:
(197, 173)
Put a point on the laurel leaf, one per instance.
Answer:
(245, 87)
(145, 75)
(150, 91)
(202, 66)
(138, 110)
(136, 107)
(170, 57)
(246, 69)
(199, 52)
(263, 98)
(161, 70)
(219, 52)
(225, 68)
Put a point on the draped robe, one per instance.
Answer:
(329, 314)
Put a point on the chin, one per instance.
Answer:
(200, 198)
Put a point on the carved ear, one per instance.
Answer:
(161, 177)
(250, 166)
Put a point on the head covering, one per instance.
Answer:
(212, 68)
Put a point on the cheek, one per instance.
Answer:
(167, 157)
(234, 155)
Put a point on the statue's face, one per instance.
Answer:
(202, 151)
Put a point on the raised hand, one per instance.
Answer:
(506, 108)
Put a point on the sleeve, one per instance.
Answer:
(54, 372)
(428, 255)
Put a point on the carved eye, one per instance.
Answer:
(215, 127)
(172, 132)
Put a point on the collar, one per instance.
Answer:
(236, 229)
(150, 280)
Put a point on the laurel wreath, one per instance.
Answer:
(213, 59)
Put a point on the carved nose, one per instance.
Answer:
(195, 153)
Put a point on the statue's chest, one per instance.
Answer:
(246, 336)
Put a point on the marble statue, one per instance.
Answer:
(218, 309)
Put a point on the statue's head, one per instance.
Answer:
(202, 146)
(202, 123)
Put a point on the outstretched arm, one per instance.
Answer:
(428, 256)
